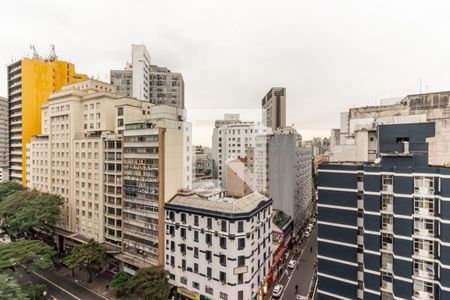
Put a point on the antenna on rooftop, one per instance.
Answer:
(52, 55)
(35, 53)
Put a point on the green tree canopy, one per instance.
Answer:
(10, 289)
(119, 281)
(23, 210)
(35, 291)
(90, 256)
(9, 187)
(149, 283)
(33, 254)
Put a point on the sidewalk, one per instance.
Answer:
(98, 285)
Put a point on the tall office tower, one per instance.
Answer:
(211, 243)
(289, 174)
(148, 82)
(274, 108)
(4, 153)
(231, 138)
(30, 82)
(156, 164)
(384, 203)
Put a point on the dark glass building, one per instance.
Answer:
(384, 227)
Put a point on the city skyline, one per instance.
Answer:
(343, 60)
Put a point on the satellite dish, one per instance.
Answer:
(377, 160)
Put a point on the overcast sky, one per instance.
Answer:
(330, 55)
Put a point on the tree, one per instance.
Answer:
(9, 187)
(90, 256)
(149, 283)
(119, 281)
(33, 254)
(24, 210)
(10, 289)
(35, 291)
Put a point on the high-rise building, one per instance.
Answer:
(156, 164)
(289, 175)
(4, 153)
(109, 157)
(383, 203)
(73, 158)
(211, 242)
(274, 108)
(30, 82)
(231, 138)
(148, 82)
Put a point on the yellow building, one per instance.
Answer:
(30, 82)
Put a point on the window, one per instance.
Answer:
(208, 272)
(209, 225)
(224, 226)
(120, 111)
(195, 236)
(240, 278)
(223, 279)
(240, 226)
(183, 233)
(241, 243)
(183, 218)
(223, 242)
(183, 264)
(223, 260)
(195, 268)
(208, 239)
(208, 256)
(195, 252)
(196, 220)
(241, 261)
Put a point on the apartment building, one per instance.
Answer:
(383, 212)
(156, 164)
(142, 80)
(231, 138)
(202, 163)
(218, 247)
(274, 108)
(4, 152)
(30, 82)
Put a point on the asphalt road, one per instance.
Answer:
(59, 287)
(301, 275)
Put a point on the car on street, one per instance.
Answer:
(292, 263)
(277, 291)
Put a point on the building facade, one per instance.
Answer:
(383, 221)
(4, 143)
(30, 82)
(202, 163)
(274, 108)
(289, 174)
(216, 247)
(230, 141)
(142, 80)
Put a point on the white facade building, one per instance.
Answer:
(231, 139)
(218, 247)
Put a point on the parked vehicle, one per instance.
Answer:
(292, 263)
(277, 291)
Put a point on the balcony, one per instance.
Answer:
(387, 267)
(423, 295)
(421, 229)
(387, 286)
(388, 188)
(426, 274)
(424, 253)
(424, 191)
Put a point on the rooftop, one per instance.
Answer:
(225, 205)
